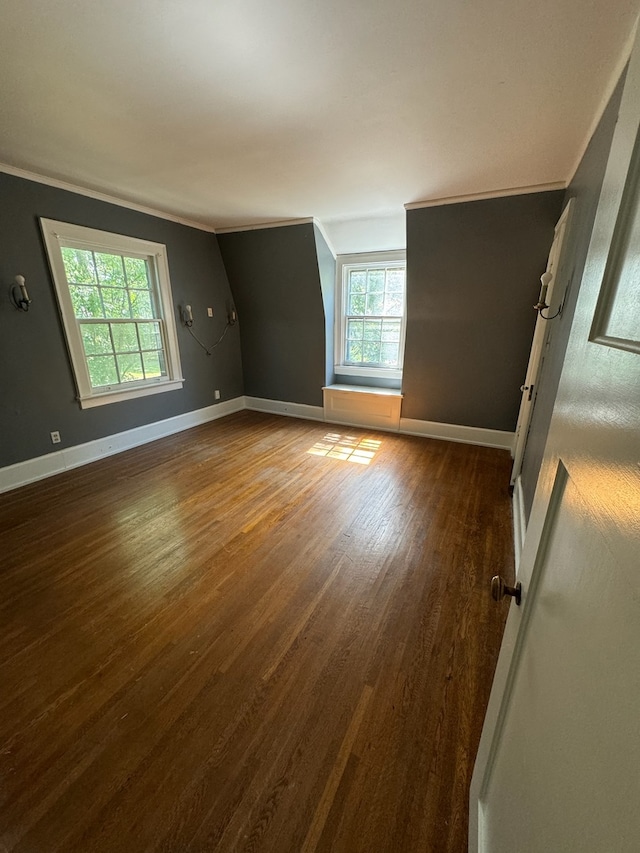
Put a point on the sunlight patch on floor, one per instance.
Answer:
(349, 448)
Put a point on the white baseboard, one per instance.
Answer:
(455, 432)
(22, 473)
(31, 470)
(278, 407)
(519, 520)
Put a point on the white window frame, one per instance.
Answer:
(345, 263)
(62, 234)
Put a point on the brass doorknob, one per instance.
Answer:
(499, 589)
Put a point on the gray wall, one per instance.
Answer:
(585, 189)
(275, 280)
(37, 391)
(473, 275)
(327, 271)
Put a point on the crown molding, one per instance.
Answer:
(100, 196)
(459, 199)
(259, 226)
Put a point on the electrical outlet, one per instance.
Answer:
(216, 394)
(210, 312)
(55, 437)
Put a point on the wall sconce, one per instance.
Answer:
(541, 304)
(187, 316)
(19, 295)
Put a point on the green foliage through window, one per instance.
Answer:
(127, 346)
(374, 303)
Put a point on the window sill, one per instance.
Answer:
(368, 372)
(129, 394)
(365, 389)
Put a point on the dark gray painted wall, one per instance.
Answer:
(37, 391)
(585, 189)
(274, 276)
(327, 270)
(473, 275)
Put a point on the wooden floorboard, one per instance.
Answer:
(261, 635)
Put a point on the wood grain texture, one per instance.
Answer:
(223, 642)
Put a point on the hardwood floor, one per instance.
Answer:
(224, 642)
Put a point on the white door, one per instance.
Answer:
(558, 768)
(553, 294)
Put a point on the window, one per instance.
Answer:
(371, 318)
(115, 299)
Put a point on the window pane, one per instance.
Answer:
(395, 280)
(354, 330)
(153, 366)
(375, 303)
(141, 304)
(389, 355)
(102, 370)
(86, 301)
(374, 292)
(371, 352)
(78, 266)
(124, 337)
(357, 281)
(354, 352)
(96, 338)
(110, 269)
(391, 330)
(115, 301)
(130, 367)
(372, 329)
(375, 281)
(393, 305)
(136, 270)
(356, 305)
(150, 337)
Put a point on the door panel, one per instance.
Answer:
(555, 298)
(565, 746)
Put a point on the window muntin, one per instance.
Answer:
(372, 316)
(374, 311)
(115, 300)
(115, 288)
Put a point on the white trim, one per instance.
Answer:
(365, 389)
(22, 473)
(456, 432)
(102, 398)
(459, 199)
(259, 226)
(396, 257)
(280, 407)
(58, 234)
(604, 101)
(100, 196)
(281, 223)
(519, 520)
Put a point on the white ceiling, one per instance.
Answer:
(229, 112)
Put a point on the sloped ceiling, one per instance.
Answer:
(229, 112)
